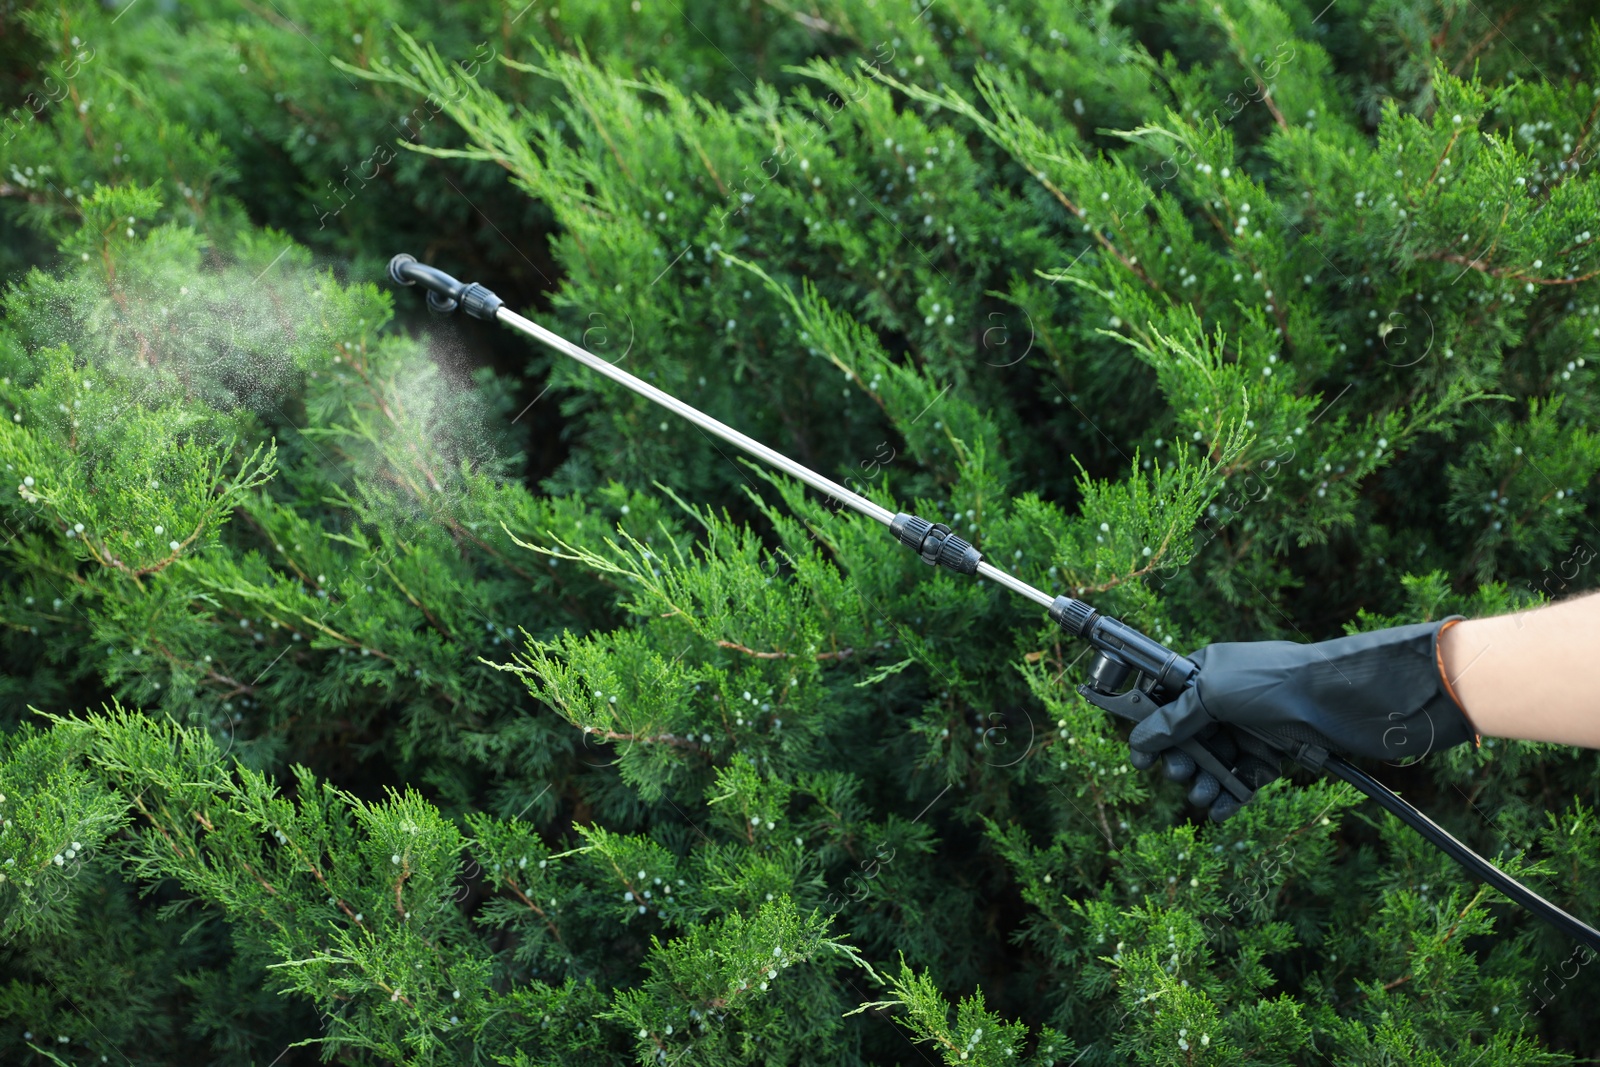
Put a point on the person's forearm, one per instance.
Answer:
(1525, 675)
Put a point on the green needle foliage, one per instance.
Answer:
(385, 692)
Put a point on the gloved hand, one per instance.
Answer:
(1254, 763)
(1380, 694)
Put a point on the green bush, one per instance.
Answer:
(394, 692)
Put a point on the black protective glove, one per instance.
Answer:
(1379, 694)
(1254, 762)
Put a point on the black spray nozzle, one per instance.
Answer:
(445, 293)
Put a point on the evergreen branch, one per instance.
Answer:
(1245, 61)
(433, 621)
(705, 161)
(484, 115)
(750, 651)
(1396, 983)
(138, 801)
(1478, 264)
(399, 902)
(810, 22)
(809, 316)
(395, 414)
(1583, 138)
(1455, 135)
(1483, 41)
(657, 739)
(884, 672)
(844, 653)
(511, 883)
(9, 190)
(1014, 132)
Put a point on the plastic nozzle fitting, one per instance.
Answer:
(445, 293)
(1074, 616)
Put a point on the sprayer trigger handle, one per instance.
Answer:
(1136, 704)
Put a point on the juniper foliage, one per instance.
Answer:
(368, 700)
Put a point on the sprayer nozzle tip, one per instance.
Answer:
(394, 268)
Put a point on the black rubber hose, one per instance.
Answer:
(1475, 864)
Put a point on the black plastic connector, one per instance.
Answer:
(935, 543)
(1146, 655)
(445, 293)
(1073, 616)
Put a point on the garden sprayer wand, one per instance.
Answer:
(1158, 673)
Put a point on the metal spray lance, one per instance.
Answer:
(1153, 673)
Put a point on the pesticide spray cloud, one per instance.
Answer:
(154, 358)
